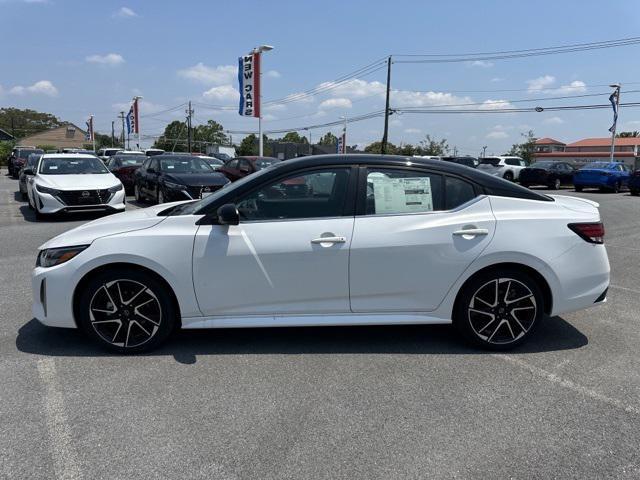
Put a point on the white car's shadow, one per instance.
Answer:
(552, 334)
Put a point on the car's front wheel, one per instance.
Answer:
(508, 176)
(498, 309)
(634, 192)
(126, 310)
(555, 185)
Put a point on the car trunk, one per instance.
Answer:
(591, 175)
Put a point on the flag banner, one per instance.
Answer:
(131, 121)
(136, 117)
(89, 136)
(249, 85)
(614, 103)
(340, 146)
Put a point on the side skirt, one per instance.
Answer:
(313, 320)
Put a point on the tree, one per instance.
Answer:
(21, 123)
(294, 137)
(407, 149)
(525, 149)
(376, 147)
(249, 145)
(174, 137)
(102, 141)
(5, 151)
(328, 139)
(633, 134)
(431, 146)
(210, 133)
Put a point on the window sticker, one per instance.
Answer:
(402, 195)
(53, 167)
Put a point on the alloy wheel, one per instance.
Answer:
(502, 311)
(125, 313)
(557, 184)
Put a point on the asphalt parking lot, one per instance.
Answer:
(334, 403)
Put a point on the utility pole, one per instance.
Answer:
(113, 133)
(484, 151)
(455, 151)
(385, 136)
(616, 97)
(121, 117)
(189, 112)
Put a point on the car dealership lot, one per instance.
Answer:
(344, 402)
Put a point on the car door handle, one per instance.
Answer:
(329, 240)
(472, 232)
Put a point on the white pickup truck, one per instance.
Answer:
(505, 167)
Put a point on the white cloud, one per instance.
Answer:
(494, 105)
(268, 116)
(273, 74)
(222, 74)
(405, 98)
(276, 107)
(481, 63)
(43, 87)
(553, 121)
(541, 83)
(497, 135)
(110, 59)
(412, 130)
(576, 86)
(125, 12)
(354, 88)
(223, 93)
(336, 103)
(395, 122)
(497, 79)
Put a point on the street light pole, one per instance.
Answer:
(258, 51)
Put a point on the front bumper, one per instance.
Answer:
(49, 204)
(52, 295)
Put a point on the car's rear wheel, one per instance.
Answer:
(499, 309)
(508, 176)
(555, 185)
(616, 187)
(126, 310)
(577, 188)
(634, 192)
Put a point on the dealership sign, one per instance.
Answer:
(249, 85)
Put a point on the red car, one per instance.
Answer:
(18, 158)
(124, 166)
(240, 167)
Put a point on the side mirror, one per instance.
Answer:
(228, 215)
(28, 171)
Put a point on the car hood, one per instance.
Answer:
(78, 182)
(112, 225)
(197, 179)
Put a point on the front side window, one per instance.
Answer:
(233, 164)
(316, 194)
(402, 191)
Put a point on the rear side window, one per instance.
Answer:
(402, 191)
(457, 192)
(512, 161)
(490, 161)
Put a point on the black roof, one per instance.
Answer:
(491, 184)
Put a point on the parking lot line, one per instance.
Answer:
(65, 462)
(568, 384)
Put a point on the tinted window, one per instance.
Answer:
(264, 163)
(543, 165)
(244, 165)
(402, 191)
(233, 163)
(184, 165)
(317, 194)
(128, 160)
(25, 152)
(457, 192)
(512, 161)
(72, 166)
(490, 161)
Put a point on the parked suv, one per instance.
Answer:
(18, 158)
(505, 167)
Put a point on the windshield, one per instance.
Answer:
(222, 156)
(24, 153)
(72, 166)
(598, 165)
(130, 160)
(192, 207)
(214, 162)
(490, 161)
(184, 165)
(262, 163)
(32, 161)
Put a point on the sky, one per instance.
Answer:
(76, 58)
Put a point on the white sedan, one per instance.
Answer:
(330, 240)
(63, 183)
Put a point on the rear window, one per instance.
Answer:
(265, 162)
(599, 165)
(543, 165)
(490, 161)
(25, 152)
(130, 160)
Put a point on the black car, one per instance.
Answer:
(23, 177)
(549, 173)
(471, 162)
(169, 178)
(634, 183)
(18, 158)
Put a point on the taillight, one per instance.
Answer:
(590, 232)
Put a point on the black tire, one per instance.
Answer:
(133, 331)
(508, 176)
(616, 187)
(24, 196)
(495, 328)
(137, 194)
(555, 185)
(634, 192)
(578, 188)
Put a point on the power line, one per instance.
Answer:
(516, 110)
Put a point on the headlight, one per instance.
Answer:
(115, 189)
(174, 185)
(55, 256)
(50, 191)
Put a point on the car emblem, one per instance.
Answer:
(85, 194)
(206, 189)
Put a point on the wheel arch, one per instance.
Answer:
(124, 265)
(540, 280)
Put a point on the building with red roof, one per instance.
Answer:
(627, 150)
